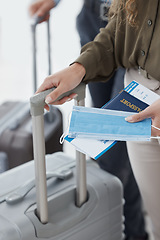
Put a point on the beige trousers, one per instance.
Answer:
(145, 161)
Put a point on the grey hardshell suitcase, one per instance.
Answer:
(16, 123)
(3, 162)
(16, 132)
(64, 208)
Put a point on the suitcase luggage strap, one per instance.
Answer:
(37, 103)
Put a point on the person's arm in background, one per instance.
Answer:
(153, 112)
(42, 8)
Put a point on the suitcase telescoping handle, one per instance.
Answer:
(35, 20)
(37, 103)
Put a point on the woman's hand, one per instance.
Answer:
(64, 81)
(153, 112)
(41, 8)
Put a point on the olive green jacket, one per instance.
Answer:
(120, 45)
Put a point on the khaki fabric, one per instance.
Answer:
(120, 45)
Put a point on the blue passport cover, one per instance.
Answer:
(125, 102)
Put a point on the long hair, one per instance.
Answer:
(130, 8)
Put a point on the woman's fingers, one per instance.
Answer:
(139, 116)
(153, 111)
(63, 81)
(60, 101)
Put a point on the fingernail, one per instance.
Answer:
(129, 119)
(75, 96)
(69, 99)
(48, 100)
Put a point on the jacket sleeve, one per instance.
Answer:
(98, 56)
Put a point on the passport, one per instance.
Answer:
(125, 102)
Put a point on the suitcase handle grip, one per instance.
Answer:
(35, 20)
(37, 102)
